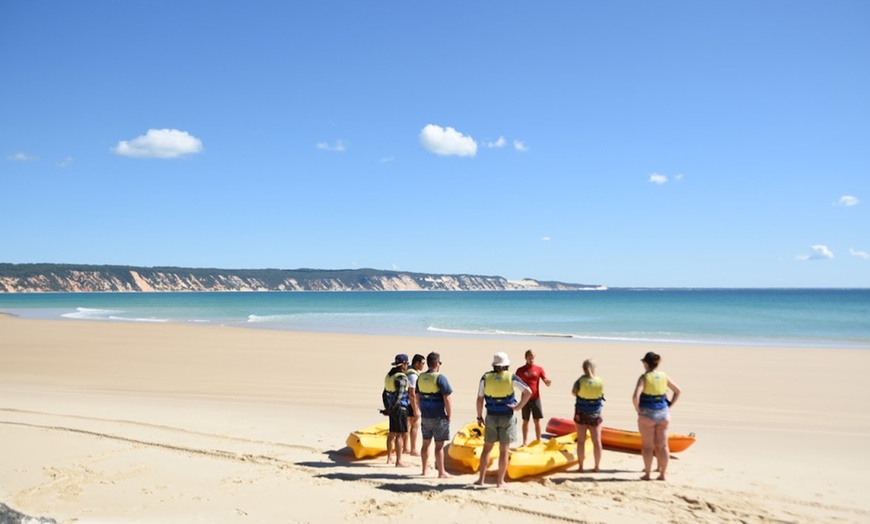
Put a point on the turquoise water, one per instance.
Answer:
(793, 317)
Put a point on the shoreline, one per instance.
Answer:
(437, 333)
(753, 318)
(169, 422)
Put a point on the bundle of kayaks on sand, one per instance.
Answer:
(537, 458)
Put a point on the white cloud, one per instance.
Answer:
(338, 146)
(520, 146)
(160, 143)
(859, 254)
(847, 201)
(819, 252)
(388, 159)
(545, 239)
(66, 162)
(22, 157)
(656, 178)
(447, 141)
(497, 144)
(678, 177)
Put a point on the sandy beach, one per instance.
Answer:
(137, 422)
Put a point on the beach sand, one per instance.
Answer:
(135, 422)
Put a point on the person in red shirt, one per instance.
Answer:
(532, 375)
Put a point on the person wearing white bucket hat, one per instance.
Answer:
(496, 392)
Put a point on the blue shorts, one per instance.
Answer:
(437, 428)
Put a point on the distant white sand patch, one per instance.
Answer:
(160, 143)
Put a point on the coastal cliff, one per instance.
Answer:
(35, 278)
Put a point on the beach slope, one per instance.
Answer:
(136, 422)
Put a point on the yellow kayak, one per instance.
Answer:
(467, 447)
(369, 442)
(541, 457)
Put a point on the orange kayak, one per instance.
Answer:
(620, 438)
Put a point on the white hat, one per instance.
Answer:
(500, 359)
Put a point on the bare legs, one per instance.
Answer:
(662, 451)
(654, 442)
(503, 456)
(394, 440)
(595, 435)
(439, 461)
(504, 453)
(413, 429)
(424, 455)
(647, 429)
(484, 461)
(439, 458)
(526, 430)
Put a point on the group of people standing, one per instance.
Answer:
(412, 396)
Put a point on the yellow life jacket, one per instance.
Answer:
(654, 390)
(389, 383)
(591, 388)
(412, 371)
(431, 399)
(655, 383)
(590, 394)
(498, 392)
(390, 391)
(427, 383)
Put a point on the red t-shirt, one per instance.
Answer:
(532, 376)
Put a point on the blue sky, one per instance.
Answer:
(673, 144)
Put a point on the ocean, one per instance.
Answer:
(829, 318)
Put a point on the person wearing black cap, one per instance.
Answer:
(396, 404)
(653, 414)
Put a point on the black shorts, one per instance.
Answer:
(399, 420)
(533, 409)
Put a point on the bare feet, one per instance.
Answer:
(661, 477)
(445, 475)
(479, 482)
(645, 477)
(402, 465)
(414, 454)
(580, 469)
(595, 470)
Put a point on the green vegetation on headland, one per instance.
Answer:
(23, 278)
